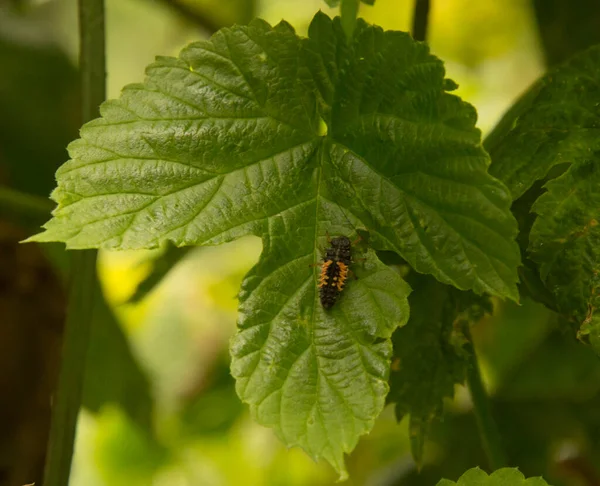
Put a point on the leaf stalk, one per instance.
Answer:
(349, 14)
(488, 429)
(420, 20)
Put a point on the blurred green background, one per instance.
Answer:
(160, 405)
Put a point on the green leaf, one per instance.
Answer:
(557, 121)
(258, 131)
(112, 374)
(553, 133)
(233, 131)
(429, 359)
(502, 477)
(565, 242)
(37, 96)
(318, 378)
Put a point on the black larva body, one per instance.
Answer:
(334, 271)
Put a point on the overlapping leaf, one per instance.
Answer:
(258, 131)
(502, 477)
(429, 359)
(558, 122)
(565, 242)
(112, 374)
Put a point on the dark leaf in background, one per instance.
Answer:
(429, 359)
(38, 114)
(112, 372)
(558, 123)
(214, 408)
(565, 243)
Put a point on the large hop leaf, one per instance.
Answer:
(258, 131)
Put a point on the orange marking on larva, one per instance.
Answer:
(342, 276)
(324, 277)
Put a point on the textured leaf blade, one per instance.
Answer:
(559, 122)
(409, 162)
(234, 124)
(318, 378)
(200, 153)
(555, 129)
(565, 242)
(427, 365)
(502, 477)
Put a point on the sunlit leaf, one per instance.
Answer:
(236, 123)
(502, 477)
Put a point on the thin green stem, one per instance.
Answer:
(17, 202)
(488, 430)
(83, 285)
(67, 400)
(92, 57)
(349, 14)
(421, 20)
(194, 15)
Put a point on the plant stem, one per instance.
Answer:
(13, 201)
(488, 430)
(92, 57)
(420, 20)
(67, 399)
(194, 15)
(83, 285)
(349, 14)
